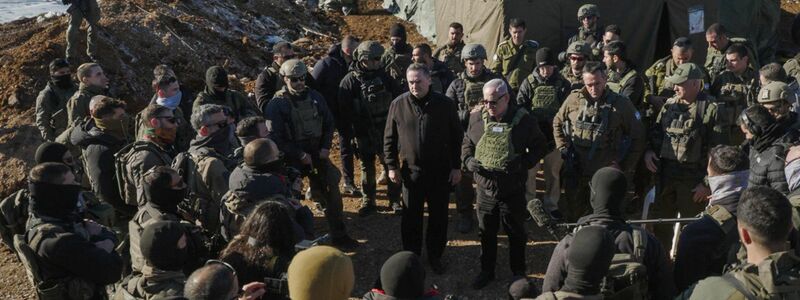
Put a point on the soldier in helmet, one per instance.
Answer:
(270, 81)
(589, 130)
(515, 57)
(589, 32)
(542, 94)
(775, 96)
(302, 126)
(577, 53)
(365, 94)
(466, 92)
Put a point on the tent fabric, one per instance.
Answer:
(415, 11)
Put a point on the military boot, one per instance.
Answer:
(350, 189)
(383, 179)
(367, 208)
(397, 208)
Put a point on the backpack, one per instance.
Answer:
(233, 213)
(186, 166)
(776, 280)
(13, 216)
(627, 275)
(128, 188)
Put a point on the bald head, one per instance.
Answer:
(214, 281)
(260, 152)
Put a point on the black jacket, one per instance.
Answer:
(423, 134)
(767, 162)
(441, 72)
(280, 118)
(350, 92)
(256, 185)
(98, 158)
(328, 73)
(527, 141)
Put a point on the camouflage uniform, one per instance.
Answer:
(792, 67)
(776, 277)
(575, 80)
(78, 11)
(451, 55)
(715, 59)
(51, 110)
(515, 62)
(235, 100)
(735, 93)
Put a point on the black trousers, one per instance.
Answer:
(508, 211)
(369, 180)
(419, 188)
(346, 148)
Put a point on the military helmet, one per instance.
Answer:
(579, 47)
(293, 68)
(773, 92)
(473, 51)
(369, 50)
(587, 10)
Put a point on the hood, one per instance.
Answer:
(88, 134)
(608, 191)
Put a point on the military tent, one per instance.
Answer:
(648, 26)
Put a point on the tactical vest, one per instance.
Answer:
(305, 117)
(473, 89)
(136, 226)
(545, 102)
(375, 101)
(451, 57)
(495, 149)
(590, 130)
(683, 133)
(198, 203)
(129, 189)
(616, 86)
(627, 275)
(233, 213)
(56, 289)
(794, 199)
(777, 277)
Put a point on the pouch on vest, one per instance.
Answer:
(682, 133)
(495, 149)
(305, 117)
(375, 102)
(590, 130)
(627, 275)
(544, 104)
(63, 288)
(473, 91)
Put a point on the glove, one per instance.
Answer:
(473, 165)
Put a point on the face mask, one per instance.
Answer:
(171, 102)
(118, 128)
(55, 200)
(166, 199)
(62, 81)
(166, 135)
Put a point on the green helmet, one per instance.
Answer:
(293, 68)
(369, 50)
(579, 47)
(473, 51)
(588, 10)
(773, 92)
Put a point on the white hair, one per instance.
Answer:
(496, 86)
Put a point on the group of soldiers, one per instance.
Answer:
(148, 199)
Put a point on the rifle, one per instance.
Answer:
(571, 167)
(647, 221)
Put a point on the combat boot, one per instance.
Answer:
(367, 208)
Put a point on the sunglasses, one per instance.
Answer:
(492, 103)
(172, 120)
(297, 79)
(576, 58)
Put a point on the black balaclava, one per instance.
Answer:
(58, 201)
(398, 30)
(159, 245)
(589, 258)
(403, 276)
(220, 140)
(216, 76)
(609, 187)
(161, 197)
(61, 81)
(51, 152)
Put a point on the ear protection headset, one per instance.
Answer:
(749, 125)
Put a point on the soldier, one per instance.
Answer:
(718, 44)
(686, 127)
(169, 92)
(302, 126)
(501, 144)
(623, 78)
(78, 11)
(633, 244)
(773, 72)
(792, 67)
(774, 96)
(450, 54)
(542, 94)
(589, 130)
(365, 95)
(736, 87)
(328, 74)
(612, 33)
(164, 247)
(73, 258)
(467, 92)
(656, 89)
(248, 130)
(577, 54)
(764, 222)
(269, 81)
(441, 75)
(768, 145)
(588, 261)
(51, 104)
(398, 57)
(704, 245)
(93, 82)
(217, 92)
(515, 57)
(589, 31)
(422, 129)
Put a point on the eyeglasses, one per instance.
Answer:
(492, 103)
(297, 79)
(576, 58)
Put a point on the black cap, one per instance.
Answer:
(544, 56)
(58, 63)
(682, 42)
(398, 30)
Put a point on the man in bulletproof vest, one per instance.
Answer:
(501, 144)
(467, 92)
(718, 44)
(588, 261)
(100, 138)
(589, 31)
(269, 81)
(686, 128)
(93, 82)
(170, 93)
(704, 245)
(768, 141)
(51, 104)
(365, 95)
(328, 73)
(594, 128)
(775, 97)
(764, 219)
(657, 90)
(577, 53)
(396, 59)
(154, 148)
(773, 72)
(441, 75)
(609, 187)
(542, 94)
(165, 250)
(78, 11)
(422, 143)
(218, 92)
(612, 33)
(515, 57)
(737, 87)
(450, 53)
(622, 76)
(302, 126)
(74, 258)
